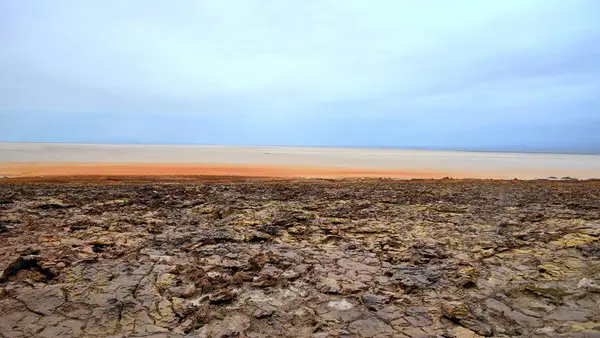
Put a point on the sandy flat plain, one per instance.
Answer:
(64, 159)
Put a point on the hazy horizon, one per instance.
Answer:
(20, 159)
(555, 151)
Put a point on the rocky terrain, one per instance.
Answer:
(348, 258)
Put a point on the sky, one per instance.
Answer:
(476, 75)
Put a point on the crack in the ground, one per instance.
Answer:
(27, 307)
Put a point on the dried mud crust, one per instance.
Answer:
(371, 258)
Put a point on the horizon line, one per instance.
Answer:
(483, 150)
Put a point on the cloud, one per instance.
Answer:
(442, 67)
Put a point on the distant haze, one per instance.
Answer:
(479, 75)
(47, 159)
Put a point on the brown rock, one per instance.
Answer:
(459, 313)
(221, 296)
(329, 285)
(370, 327)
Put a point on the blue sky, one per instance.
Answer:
(497, 74)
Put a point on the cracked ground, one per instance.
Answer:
(347, 258)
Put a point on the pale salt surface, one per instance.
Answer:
(468, 164)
